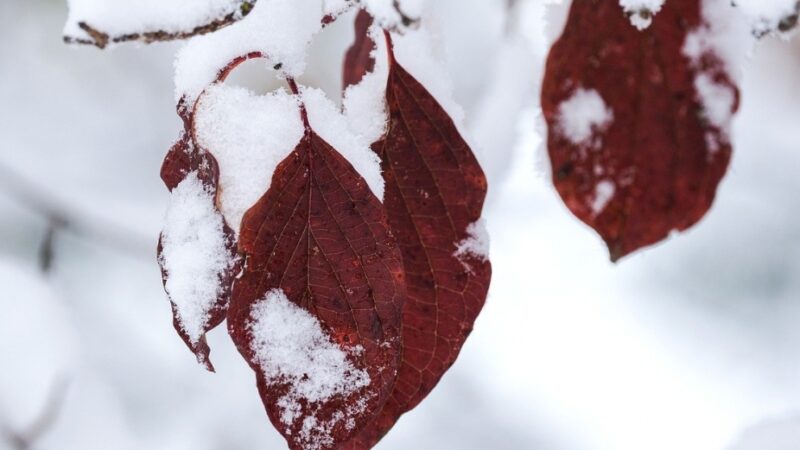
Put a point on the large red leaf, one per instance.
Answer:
(651, 161)
(320, 237)
(358, 60)
(435, 191)
(182, 160)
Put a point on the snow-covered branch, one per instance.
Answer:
(101, 24)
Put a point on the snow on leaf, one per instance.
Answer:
(435, 191)
(197, 249)
(101, 23)
(667, 147)
(583, 115)
(641, 12)
(291, 347)
(319, 237)
(193, 253)
(249, 136)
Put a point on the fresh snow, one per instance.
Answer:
(582, 115)
(291, 347)
(476, 244)
(280, 29)
(193, 254)
(603, 193)
(641, 12)
(330, 124)
(386, 11)
(726, 35)
(766, 15)
(120, 17)
(718, 101)
(249, 135)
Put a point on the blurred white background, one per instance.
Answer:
(694, 344)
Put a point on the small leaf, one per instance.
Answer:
(196, 310)
(638, 137)
(359, 61)
(319, 251)
(435, 191)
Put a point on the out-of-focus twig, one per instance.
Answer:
(60, 216)
(102, 39)
(25, 439)
(47, 249)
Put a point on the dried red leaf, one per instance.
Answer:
(660, 160)
(435, 189)
(320, 235)
(358, 60)
(184, 158)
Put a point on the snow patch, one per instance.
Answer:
(292, 348)
(194, 254)
(249, 135)
(603, 193)
(718, 101)
(476, 245)
(331, 125)
(641, 12)
(766, 16)
(583, 115)
(280, 29)
(390, 13)
(724, 39)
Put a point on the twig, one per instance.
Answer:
(24, 440)
(62, 217)
(47, 249)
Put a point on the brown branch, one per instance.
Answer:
(24, 440)
(101, 39)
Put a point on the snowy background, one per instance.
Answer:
(690, 345)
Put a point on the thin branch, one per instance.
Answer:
(63, 217)
(102, 39)
(47, 249)
(24, 440)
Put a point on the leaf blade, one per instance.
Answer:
(655, 167)
(320, 236)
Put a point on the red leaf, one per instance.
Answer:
(320, 236)
(359, 61)
(435, 191)
(655, 166)
(183, 159)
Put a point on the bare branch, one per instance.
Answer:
(68, 218)
(24, 440)
(102, 39)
